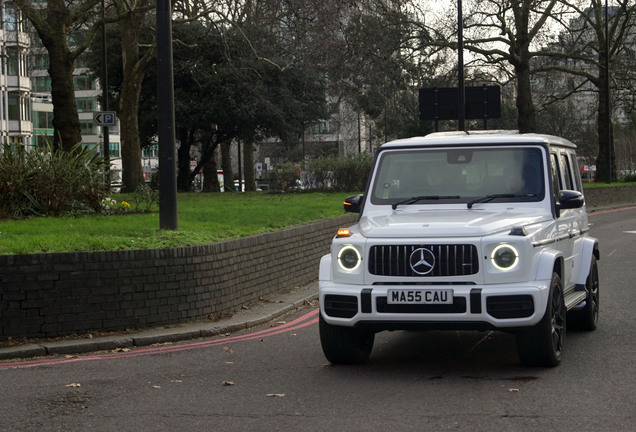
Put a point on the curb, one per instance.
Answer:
(266, 310)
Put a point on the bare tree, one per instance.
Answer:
(583, 52)
(501, 35)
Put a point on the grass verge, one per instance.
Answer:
(202, 219)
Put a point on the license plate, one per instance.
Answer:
(420, 296)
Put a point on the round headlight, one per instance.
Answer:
(505, 257)
(349, 258)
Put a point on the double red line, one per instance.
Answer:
(303, 321)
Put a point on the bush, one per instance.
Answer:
(49, 183)
(349, 173)
(15, 180)
(144, 198)
(630, 178)
(284, 177)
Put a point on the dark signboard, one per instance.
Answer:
(441, 103)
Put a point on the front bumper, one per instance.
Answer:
(473, 307)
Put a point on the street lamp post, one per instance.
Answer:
(165, 93)
(106, 141)
(608, 132)
(461, 102)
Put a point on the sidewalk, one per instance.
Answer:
(261, 312)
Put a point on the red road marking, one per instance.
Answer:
(303, 321)
(593, 213)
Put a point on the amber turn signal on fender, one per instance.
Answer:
(343, 232)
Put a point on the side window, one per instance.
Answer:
(576, 172)
(556, 179)
(566, 171)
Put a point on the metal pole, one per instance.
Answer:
(485, 101)
(165, 92)
(461, 100)
(608, 120)
(359, 137)
(106, 153)
(240, 171)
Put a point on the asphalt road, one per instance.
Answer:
(275, 377)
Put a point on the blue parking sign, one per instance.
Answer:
(105, 118)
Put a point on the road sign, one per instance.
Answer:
(105, 118)
(482, 102)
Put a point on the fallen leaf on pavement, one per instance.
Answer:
(276, 395)
(513, 390)
(228, 383)
(73, 385)
(228, 350)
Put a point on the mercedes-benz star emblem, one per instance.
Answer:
(422, 261)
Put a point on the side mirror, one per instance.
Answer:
(569, 199)
(352, 203)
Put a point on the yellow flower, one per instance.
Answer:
(125, 205)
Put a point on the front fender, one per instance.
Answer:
(547, 260)
(325, 272)
(589, 249)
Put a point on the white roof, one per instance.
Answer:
(496, 137)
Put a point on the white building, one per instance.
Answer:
(15, 87)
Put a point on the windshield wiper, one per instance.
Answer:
(415, 199)
(488, 198)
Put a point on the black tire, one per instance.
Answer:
(542, 345)
(345, 345)
(587, 318)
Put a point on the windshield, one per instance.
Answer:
(477, 175)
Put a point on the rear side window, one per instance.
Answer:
(556, 178)
(576, 172)
(566, 171)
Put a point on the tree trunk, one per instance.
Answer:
(66, 124)
(184, 183)
(520, 60)
(526, 122)
(226, 165)
(133, 73)
(606, 159)
(210, 178)
(248, 167)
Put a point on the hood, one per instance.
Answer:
(447, 222)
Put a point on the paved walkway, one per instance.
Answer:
(264, 311)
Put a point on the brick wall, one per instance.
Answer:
(615, 196)
(48, 295)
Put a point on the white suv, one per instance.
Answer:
(471, 231)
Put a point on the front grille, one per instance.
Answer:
(450, 260)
